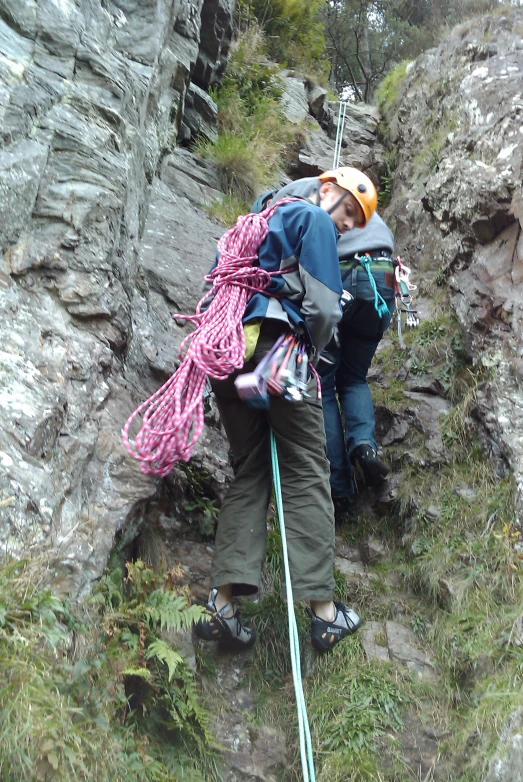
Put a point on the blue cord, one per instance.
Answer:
(379, 302)
(307, 760)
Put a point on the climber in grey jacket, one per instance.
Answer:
(344, 370)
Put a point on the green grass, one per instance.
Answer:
(354, 703)
(387, 92)
(433, 145)
(74, 684)
(227, 208)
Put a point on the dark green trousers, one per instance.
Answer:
(304, 470)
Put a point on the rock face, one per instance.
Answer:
(457, 203)
(97, 252)
(303, 101)
(103, 237)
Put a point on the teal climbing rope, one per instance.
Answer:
(380, 304)
(307, 760)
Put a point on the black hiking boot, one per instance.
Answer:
(325, 635)
(368, 466)
(228, 630)
(343, 510)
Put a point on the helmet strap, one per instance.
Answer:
(338, 202)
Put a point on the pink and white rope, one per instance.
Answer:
(173, 417)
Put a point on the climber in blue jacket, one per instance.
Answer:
(300, 248)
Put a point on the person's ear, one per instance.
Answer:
(325, 188)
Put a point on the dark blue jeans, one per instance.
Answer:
(344, 384)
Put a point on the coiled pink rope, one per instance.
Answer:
(173, 417)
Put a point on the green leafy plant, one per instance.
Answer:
(387, 178)
(387, 92)
(158, 681)
(227, 208)
(197, 491)
(70, 678)
(253, 136)
(293, 29)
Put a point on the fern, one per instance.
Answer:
(109, 590)
(169, 611)
(130, 639)
(158, 682)
(165, 654)
(126, 704)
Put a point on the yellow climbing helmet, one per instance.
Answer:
(358, 184)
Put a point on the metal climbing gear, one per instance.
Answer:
(340, 127)
(404, 299)
(283, 371)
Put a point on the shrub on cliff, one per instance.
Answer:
(253, 133)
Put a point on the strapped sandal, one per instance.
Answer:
(228, 630)
(325, 635)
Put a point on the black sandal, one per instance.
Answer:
(229, 630)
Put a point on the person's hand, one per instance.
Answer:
(330, 354)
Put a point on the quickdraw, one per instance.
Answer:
(403, 289)
(283, 371)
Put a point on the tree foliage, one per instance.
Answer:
(367, 38)
(293, 29)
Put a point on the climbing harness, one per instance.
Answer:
(307, 760)
(403, 288)
(173, 417)
(404, 299)
(369, 262)
(283, 371)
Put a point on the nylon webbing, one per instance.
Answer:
(380, 304)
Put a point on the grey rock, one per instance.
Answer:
(21, 167)
(507, 765)
(316, 154)
(425, 385)
(201, 114)
(96, 255)
(402, 645)
(295, 105)
(215, 40)
(371, 633)
(317, 100)
(190, 177)
(372, 550)
(457, 199)
(346, 551)
(350, 569)
(448, 591)
(516, 634)
(467, 493)
(433, 512)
